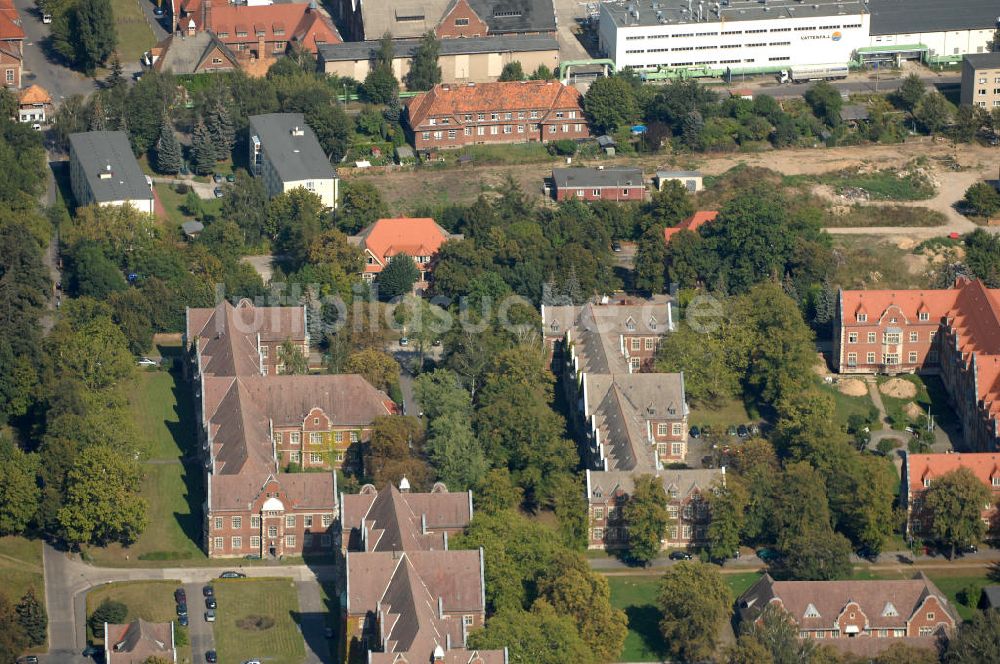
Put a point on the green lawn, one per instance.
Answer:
(21, 568)
(636, 596)
(846, 405)
(149, 600)
(255, 621)
(161, 407)
(135, 36)
(174, 202)
(931, 397)
(731, 412)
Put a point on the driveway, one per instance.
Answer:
(60, 81)
(67, 580)
(199, 632)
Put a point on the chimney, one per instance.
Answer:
(206, 15)
(440, 608)
(404, 485)
(260, 47)
(423, 524)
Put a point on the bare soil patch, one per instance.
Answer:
(852, 387)
(912, 410)
(255, 623)
(898, 388)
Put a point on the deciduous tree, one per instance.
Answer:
(610, 104)
(381, 84)
(933, 112)
(775, 631)
(19, 493)
(378, 368)
(646, 514)
(108, 611)
(977, 640)
(910, 92)
(727, 503)
(694, 601)
(512, 71)
(103, 504)
(955, 502)
(982, 199)
(294, 360)
(394, 450)
(454, 451)
(540, 636)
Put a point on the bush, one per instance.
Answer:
(969, 595)
(888, 445)
(255, 623)
(564, 148)
(918, 445)
(109, 611)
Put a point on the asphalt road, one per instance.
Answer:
(60, 81)
(943, 84)
(67, 580)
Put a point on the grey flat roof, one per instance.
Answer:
(405, 48)
(294, 157)
(983, 60)
(110, 151)
(891, 17)
(516, 15)
(596, 177)
(678, 174)
(675, 12)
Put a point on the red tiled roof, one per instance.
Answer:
(692, 223)
(985, 466)
(309, 26)
(34, 94)
(10, 22)
(452, 99)
(420, 236)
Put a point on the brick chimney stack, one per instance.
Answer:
(206, 15)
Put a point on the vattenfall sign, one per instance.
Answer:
(835, 36)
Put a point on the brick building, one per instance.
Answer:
(952, 332)
(255, 422)
(411, 19)
(629, 418)
(137, 641)
(598, 184)
(418, 238)
(11, 44)
(921, 470)
(692, 223)
(857, 617)
(257, 31)
(450, 116)
(407, 596)
(608, 492)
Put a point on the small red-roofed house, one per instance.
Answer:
(692, 223)
(920, 471)
(11, 44)
(418, 238)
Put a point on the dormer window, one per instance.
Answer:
(630, 325)
(598, 493)
(996, 480)
(811, 612)
(862, 318)
(652, 323)
(927, 482)
(889, 611)
(924, 316)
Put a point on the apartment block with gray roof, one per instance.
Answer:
(286, 155)
(103, 171)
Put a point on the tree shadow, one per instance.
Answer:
(993, 572)
(644, 620)
(183, 432)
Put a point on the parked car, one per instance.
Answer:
(92, 651)
(182, 609)
(158, 12)
(695, 432)
(742, 431)
(767, 555)
(180, 596)
(211, 657)
(182, 620)
(252, 661)
(230, 178)
(216, 178)
(616, 246)
(210, 616)
(46, 18)
(404, 341)
(147, 362)
(230, 574)
(217, 192)
(680, 555)
(731, 431)
(971, 548)
(210, 603)
(208, 591)
(30, 659)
